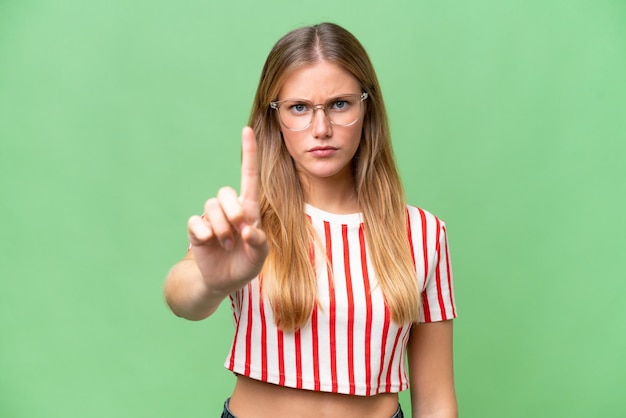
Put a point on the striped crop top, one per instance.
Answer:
(350, 345)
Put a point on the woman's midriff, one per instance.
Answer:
(255, 399)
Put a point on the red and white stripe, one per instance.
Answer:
(350, 344)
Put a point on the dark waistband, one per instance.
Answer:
(227, 414)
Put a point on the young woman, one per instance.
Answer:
(328, 270)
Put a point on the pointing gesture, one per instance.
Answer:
(227, 242)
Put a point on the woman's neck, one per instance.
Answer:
(331, 195)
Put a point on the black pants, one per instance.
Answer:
(227, 414)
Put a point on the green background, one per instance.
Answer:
(118, 119)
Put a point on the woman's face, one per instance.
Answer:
(323, 151)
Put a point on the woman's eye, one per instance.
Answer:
(340, 105)
(298, 108)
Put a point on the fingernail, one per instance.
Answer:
(228, 244)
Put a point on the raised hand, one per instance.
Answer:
(227, 242)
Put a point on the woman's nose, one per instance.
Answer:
(322, 128)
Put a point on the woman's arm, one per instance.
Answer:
(186, 292)
(431, 371)
(228, 247)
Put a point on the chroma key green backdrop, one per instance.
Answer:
(118, 119)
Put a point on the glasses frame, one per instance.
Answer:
(277, 103)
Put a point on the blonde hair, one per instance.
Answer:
(288, 277)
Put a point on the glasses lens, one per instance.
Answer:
(344, 111)
(297, 115)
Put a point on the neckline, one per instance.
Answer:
(344, 218)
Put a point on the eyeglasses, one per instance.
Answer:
(297, 115)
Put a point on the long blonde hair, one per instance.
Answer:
(288, 277)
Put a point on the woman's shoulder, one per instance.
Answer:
(417, 213)
(424, 226)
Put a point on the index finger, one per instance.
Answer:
(249, 166)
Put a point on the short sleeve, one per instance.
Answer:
(438, 302)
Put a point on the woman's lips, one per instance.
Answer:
(322, 151)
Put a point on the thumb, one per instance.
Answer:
(255, 237)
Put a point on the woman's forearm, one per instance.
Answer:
(187, 294)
